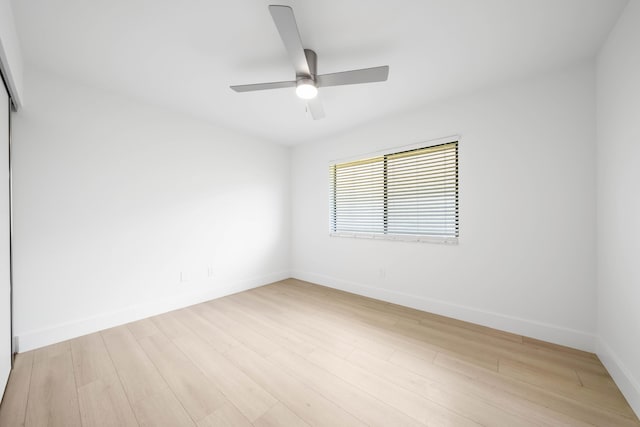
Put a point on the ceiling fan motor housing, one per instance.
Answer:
(312, 61)
(306, 85)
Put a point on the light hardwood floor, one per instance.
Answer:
(297, 354)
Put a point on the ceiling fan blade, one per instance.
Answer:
(262, 86)
(315, 109)
(286, 23)
(365, 75)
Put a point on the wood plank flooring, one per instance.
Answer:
(297, 354)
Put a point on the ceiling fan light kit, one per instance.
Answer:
(306, 89)
(304, 63)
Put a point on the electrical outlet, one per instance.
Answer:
(383, 273)
(184, 277)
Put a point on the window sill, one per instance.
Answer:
(400, 237)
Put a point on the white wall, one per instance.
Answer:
(619, 203)
(10, 54)
(114, 199)
(526, 258)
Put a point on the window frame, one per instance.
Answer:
(400, 237)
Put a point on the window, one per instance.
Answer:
(410, 194)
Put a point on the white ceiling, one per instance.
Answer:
(184, 54)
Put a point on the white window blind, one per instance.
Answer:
(408, 193)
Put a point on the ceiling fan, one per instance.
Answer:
(305, 62)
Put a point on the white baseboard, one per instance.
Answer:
(526, 327)
(61, 332)
(628, 385)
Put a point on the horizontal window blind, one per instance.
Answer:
(410, 193)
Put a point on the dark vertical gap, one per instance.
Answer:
(385, 219)
(13, 350)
